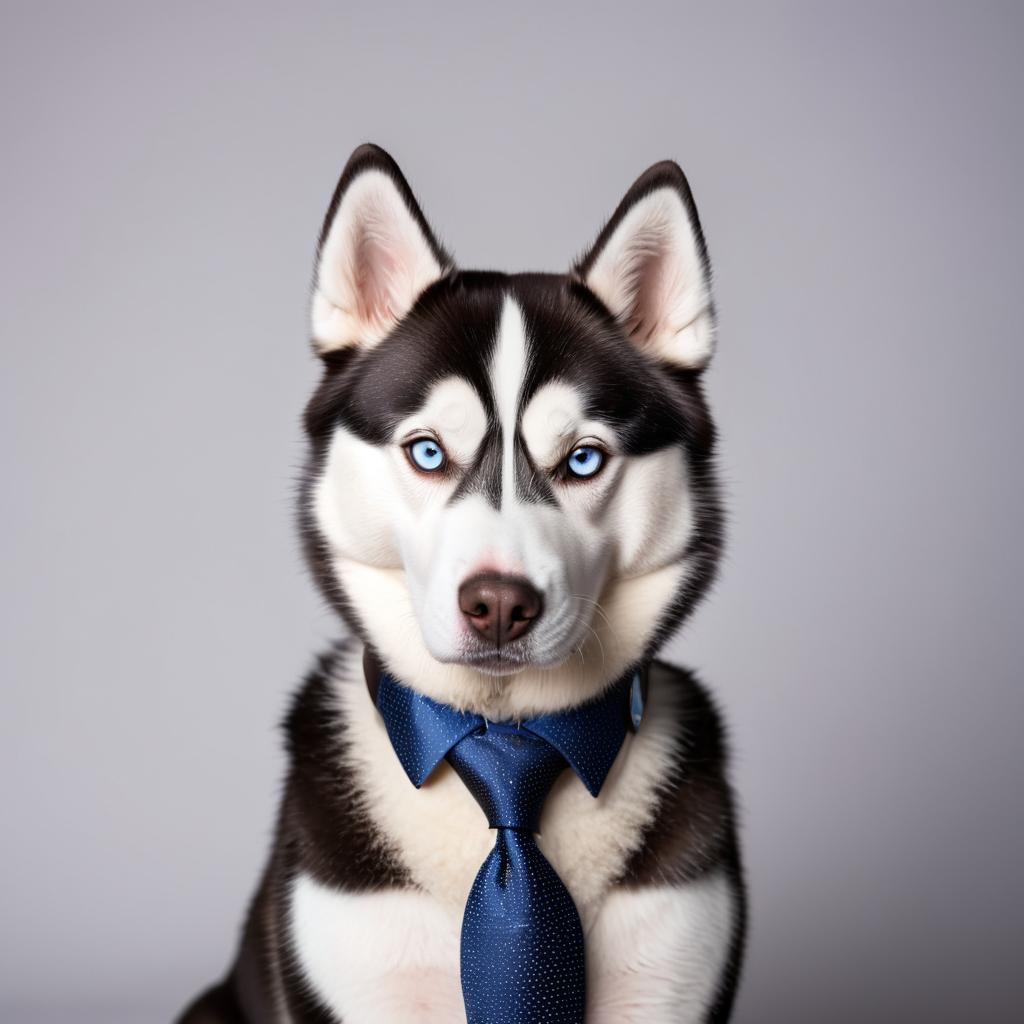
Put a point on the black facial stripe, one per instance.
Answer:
(484, 476)
(533, 486)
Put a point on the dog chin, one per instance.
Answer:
(495, 665)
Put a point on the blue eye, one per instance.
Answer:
(585, 461)
(426, 454)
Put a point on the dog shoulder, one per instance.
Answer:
(325, 826)
(694, 830)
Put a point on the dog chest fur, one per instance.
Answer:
(655, 955)
(653, 951)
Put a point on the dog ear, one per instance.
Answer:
(650, 267)
(375, 257)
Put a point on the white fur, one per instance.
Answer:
(642, 502)
(554, 420)
(650, 274)
(654, 954)
(508, 367)
(374, 263)
(452, 410)
(385, 958)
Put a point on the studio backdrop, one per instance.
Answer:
(857, 168)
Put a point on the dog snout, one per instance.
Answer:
(500, 608)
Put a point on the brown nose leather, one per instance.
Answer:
(500, 608)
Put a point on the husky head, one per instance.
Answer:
(510, 494)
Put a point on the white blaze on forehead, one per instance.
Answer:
(508, 367)
(554, 419)
(453, 411)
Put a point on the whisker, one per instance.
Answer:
(600, 611)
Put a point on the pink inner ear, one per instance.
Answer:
(643, 267)
(374, 262)
(386, 265)
(651, 275)
(383, 274)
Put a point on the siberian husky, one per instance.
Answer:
(510, 499)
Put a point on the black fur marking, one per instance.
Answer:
(449, 332)
(484, 475)
(216, 1005)
(533, 484)
(695, 826)
(329, 833)
(575, 339)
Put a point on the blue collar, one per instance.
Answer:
(589, 737)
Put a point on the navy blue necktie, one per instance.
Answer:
(522, 941)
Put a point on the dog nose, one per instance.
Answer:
(500, 608)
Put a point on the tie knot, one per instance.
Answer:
(509, 771)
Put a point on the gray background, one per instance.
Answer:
(858, 170)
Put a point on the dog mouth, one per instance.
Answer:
(509, 659)
(499, 662)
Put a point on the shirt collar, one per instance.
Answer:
(422, 731)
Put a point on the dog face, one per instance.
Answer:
(510, 494)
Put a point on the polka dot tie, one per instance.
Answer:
(522, 942)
